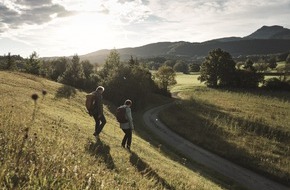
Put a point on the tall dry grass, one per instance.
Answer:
(250, 128)
(46, 143)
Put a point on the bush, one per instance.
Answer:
(276, 84)
(181, 66)
(247, 79)
(126, 82)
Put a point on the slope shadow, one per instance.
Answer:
(258, 127)
(210, 130)
(145, 169)
(100, 151)
(282, 95)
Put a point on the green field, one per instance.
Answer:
(185, 82)
(250, 128)
(48, 144)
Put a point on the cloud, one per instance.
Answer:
(124, 12)
(124, 1)
(104, 10)
(33, 3)
(38, 24)
(32, 12)
(145, 2)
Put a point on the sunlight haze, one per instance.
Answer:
(67, 27)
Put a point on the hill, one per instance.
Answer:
(266, 40)
(270, 32)
(47, 143)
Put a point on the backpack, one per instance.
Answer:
(89, 102)
(121, 114)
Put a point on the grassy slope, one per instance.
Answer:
(48, 144)
(250, 128)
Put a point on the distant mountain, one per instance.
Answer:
(227, 39)
(266, 40)
(270, 32)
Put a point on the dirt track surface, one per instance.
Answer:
(241, 175)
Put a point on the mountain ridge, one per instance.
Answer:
(265, 40)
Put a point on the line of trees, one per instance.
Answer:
(177, 64)
(122, 80)
(132, 79)
(220, 70)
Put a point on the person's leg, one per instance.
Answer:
(129, 138)
(124, 138)
(97, 123)
(102, 122)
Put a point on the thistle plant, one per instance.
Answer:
(34, 98)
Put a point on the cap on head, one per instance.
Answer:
(128, 102)
(100, 88)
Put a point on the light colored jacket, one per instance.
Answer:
(129, 124)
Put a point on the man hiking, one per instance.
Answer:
(127, 125)
(96, 110)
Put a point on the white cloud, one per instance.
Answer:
(66, 27)
(24, 12)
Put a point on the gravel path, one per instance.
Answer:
(241, 175)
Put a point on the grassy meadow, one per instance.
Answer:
(185, 82)
(48, 144)
(250, 128)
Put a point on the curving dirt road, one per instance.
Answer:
(241, 175)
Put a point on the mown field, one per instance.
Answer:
(47, 143)
(250, 128)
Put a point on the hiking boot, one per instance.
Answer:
(128, 147)
(123, 145)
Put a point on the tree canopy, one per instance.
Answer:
(165, 77)
(217, 69)
(74, 73)
(181, 66)
(125, 80)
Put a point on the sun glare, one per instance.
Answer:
(85, 33)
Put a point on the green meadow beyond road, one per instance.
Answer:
(243, 176)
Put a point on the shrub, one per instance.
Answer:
(247, 79)
(276, 84)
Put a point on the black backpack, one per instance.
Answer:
(121, 114)
(90, 98)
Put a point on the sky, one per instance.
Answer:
(69, 27)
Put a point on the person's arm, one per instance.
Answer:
(129, 117)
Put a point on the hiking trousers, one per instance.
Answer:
(100, 123)
(127, 138)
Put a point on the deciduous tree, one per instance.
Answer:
(272, 63)
(165, 77)
(249, 65)
(181, 66)
(218, 69)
